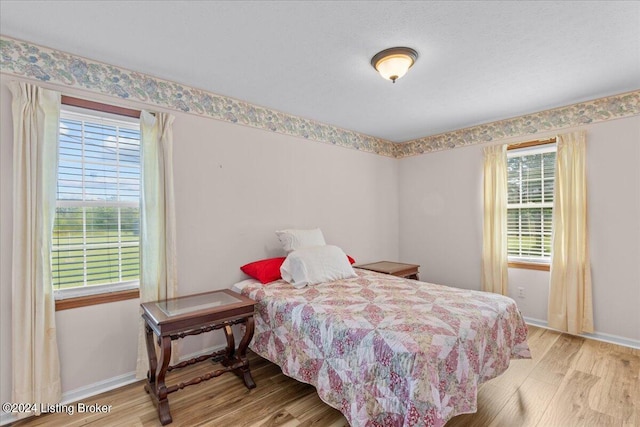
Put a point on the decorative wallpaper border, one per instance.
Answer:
(41, 63)
(599, 110)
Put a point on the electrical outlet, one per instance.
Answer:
(520, 292)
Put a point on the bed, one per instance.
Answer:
(387, 351)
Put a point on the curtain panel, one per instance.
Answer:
(494, 230)
(35, 359)
(158, 262)
(570, 301)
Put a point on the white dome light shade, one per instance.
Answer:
(393, 67)
(395, 62)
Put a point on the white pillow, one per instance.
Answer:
(238, 287)
(292, 240)
(316, 264)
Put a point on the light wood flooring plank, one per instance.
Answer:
(491, 399)
(553, 366)
(619, 390)
(527, 405)
(311, 411)
(570, 405)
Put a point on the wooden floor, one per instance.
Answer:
(570, 381)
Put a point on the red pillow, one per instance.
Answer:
(268, 270)
(265, 270)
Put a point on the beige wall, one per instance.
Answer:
(234, 186)
(441, 225)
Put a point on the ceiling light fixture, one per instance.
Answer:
(394, 62)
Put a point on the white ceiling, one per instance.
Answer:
(479, 61)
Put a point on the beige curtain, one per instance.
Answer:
(570, 304)
(158, 273)
(494, 230)
(36, 366)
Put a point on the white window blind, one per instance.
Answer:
(96, 230)
(530, 181)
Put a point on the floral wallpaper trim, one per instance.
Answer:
(40, 63)
(599, 110)
(49, 65)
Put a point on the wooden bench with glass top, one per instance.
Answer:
(176, 318)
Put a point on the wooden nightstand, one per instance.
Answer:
(408, 271)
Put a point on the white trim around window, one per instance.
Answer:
(531, 181)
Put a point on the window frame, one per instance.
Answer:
(96, 294)
(523, 262)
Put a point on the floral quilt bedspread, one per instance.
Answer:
(387, 351)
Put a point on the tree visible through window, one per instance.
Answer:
(530, 202)
(96, 230)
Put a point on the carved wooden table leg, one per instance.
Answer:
(231, 345)
(161, 388)
(150, 386)
(242, 354)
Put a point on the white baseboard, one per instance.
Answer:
(598, 336)
(99, 387)
(6, 418)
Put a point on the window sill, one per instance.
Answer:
(529, 265)
(85, 301)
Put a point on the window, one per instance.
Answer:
(530, 183)
(96, 239)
